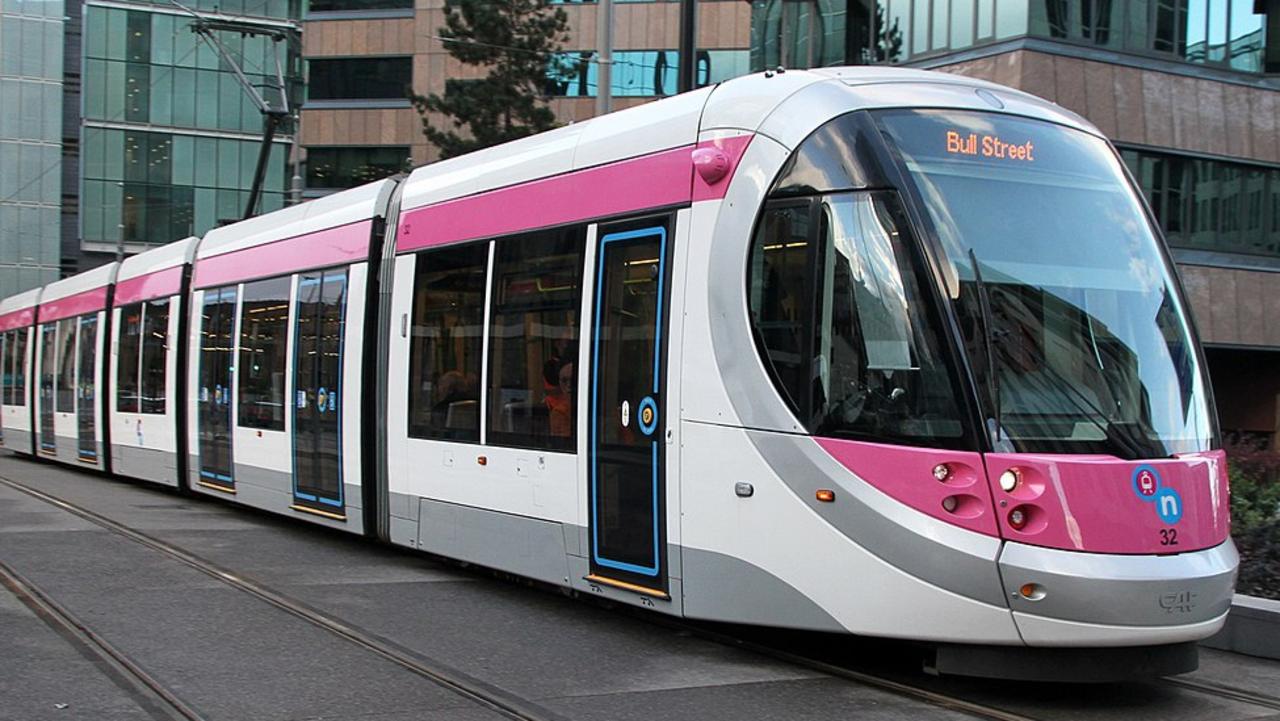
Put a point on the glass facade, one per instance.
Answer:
(31, 37)
(1211, 205)
(169, 137)
(640, 73)
(342, 167)
(815, 33)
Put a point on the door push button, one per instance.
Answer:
(744, 489)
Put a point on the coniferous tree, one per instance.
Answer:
(517, 41)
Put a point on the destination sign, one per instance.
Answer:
(989, 146)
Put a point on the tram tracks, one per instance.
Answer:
(475, 690)
(146, 690)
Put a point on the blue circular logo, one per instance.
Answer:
(1169, 505)
(1146, 483)
(648, 412)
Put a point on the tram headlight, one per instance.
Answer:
(1009, 480)
(941, 472)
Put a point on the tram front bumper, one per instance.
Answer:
(1072, 598)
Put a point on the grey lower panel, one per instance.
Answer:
(272, 491)
(145, 464)
(724, 588)
(1122, 590)
(17, 441)
(517, 544)
(68, 452)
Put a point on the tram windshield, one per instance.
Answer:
(1067, 308)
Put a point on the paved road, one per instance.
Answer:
(229, 655)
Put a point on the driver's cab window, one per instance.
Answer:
(841, 321)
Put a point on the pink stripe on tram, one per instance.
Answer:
(160, 284)
(73, 305)
(650, 181)
(335, 246)
(18, 319)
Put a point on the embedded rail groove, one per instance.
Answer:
(1210, 688)
(150, 694)
(471, 689)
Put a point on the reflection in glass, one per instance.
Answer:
(155, 350)
(533, 339)
(128, 351)
(444, 345)
(264, 329)
(66, 398)
(1090, 343)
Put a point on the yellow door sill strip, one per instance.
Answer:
(318, 512)
(655, 593)
(216, 487)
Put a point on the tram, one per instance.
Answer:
(869, 351)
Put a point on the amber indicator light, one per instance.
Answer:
(826, 496)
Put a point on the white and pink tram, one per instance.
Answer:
(870, 351)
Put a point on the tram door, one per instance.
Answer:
(626, 445)
(213, 404)
(86, 388)
(317, 411)
(48, 361)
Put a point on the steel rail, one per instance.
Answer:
(154, 698)
(1212, 688)
(486, 695)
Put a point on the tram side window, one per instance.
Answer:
(127, 358)
(48, 364)
(534, 339)
(155, 349)
(6, 396)
(66, 394)
(19, 384)
(843, 322)
(445, 346)
(779, 302)
(264, 332)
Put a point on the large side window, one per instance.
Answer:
(66, 395)
(264, 328)
(155, 351)
(127, 358)
(48, 364)
(19, 385)
(534, 339)
(844, 325)
(444, 351)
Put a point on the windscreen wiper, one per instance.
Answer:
(988, 341)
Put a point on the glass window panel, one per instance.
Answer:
(206, 162)
(938, 35)
(1011, 19)
(1197, 30)
(112, 209)
(919, 27)
(264, 328)
(116, 92)
(360, 78)
(445, 343)
(347, 5)
(206, 210)
(961, 23)
(206, 98)
(228, 164)
(181, 212)
(95, 31)
(117, 33)
(160, 96)
(137, 47)
(91, 210)
(229, 97)
(1247, 40)
(66, 354)
(20, 367)
(183, 159)
(338, 167)
(163, 29)
(1217, 30)
(133, 215)
(533, 339)
(128, 351)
